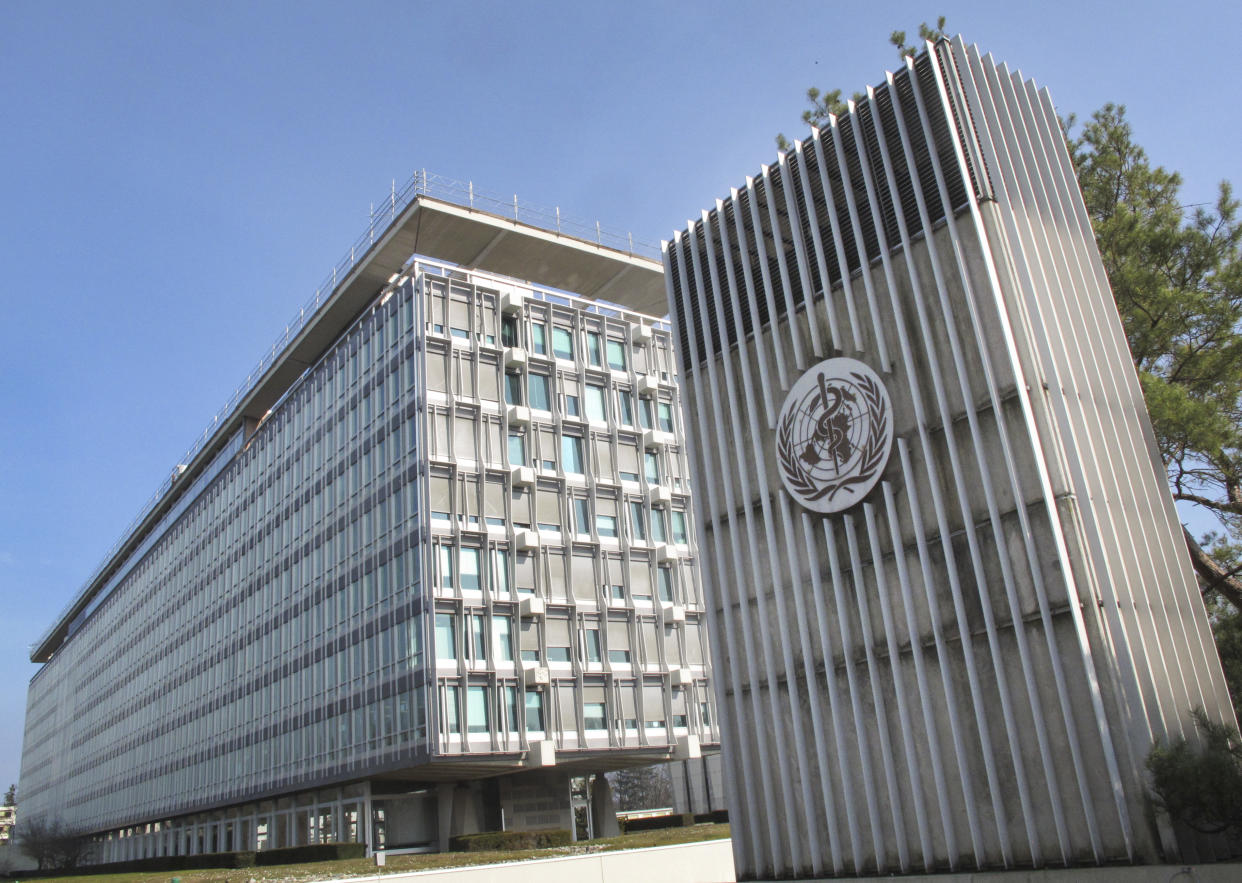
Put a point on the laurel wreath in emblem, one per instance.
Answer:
(872, 451)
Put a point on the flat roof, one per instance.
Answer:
(433, 228)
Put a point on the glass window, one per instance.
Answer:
(679, 527)
(617, 593)
(606, 525)
(664, 580)
(509, 331)
(582, 516)
(470, 569)
(595, 350)
(616, 355)
(476, 710)
(500, 565)
(618, 655)
(626, 401)
(513, 388)
(562, 343)
(558, 654)
(452, 714)
(638, 527)
(534, 711)
(446, 636)
(705, 714)
(503, 637)
(511, 708)
(593, 716)
(651, 463)
(644, 413)
(595, 409)
(571, 454)
(540, 398)
(592, 645)
(446, 567)
(658, 534)
(571, 406)
(517, 450)
(665, 411)
(629, 476)
(539, 338)
(478, 637)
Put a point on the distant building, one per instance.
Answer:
(8, 818)
(944, 567)
(437, 557)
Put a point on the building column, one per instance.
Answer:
(603, 808)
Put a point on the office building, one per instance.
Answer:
(434, 558)
(945, 569)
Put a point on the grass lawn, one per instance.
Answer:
(404, 863)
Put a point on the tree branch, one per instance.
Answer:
(1211, 574)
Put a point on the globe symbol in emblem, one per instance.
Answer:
(834, 435)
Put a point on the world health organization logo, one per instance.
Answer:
(834, 435)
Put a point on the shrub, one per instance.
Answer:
(316, 852)
(505, 840)
(1202, 789)
(716, 816)
(654, 823)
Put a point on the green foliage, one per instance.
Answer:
(317, 852)
(645, 787)
(828, 103)
(506, 840)
(1177, 280)
(10, 797)
(1201, 788)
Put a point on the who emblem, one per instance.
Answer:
(834, 435)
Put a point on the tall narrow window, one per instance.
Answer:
(470, 569)
(595, 350)
(517, 450)
(638, 523)
(664, 584)
(476, 710)
(509, 331)
(658, 533)
(478, 637)
(571, 454)
(446, 567)
(595, 408)
(562, 343)
(592, 645)
(534, 712)
(452, 712)
(679, 527)
(540, 397)
(503, 637)
(513, 388)
(582, 516)
(511, 708)
(616, 355)
(500, 571)
(644, 413)
(665, 412)
(651, 463)
(626, 401)
(539, 338)
(446, 636)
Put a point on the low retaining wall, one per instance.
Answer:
(709, 861)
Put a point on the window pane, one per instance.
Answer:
(513, 388)
(502, 629)
(478, 637)
(562, 343)
(452, 714)
(666, 416)
(539, 397)
(571, 454)
(664, 577)
(679, 526)
(534, 711)
(593, 717)
(582, 516)
(571, 406)
(470, 569)
(476, 710)
(500, 559)
(592, 645)
(539, 338)
(595, 353)
(606, 525)
(616, 355)
(595, 409)
(637, 522)
(517, 450)
(446, 637)
(509, 331)
(446, 567)
(652, 465)
(627, 408)
(511, 706)
(657, 530)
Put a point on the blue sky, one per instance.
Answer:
(176, 178)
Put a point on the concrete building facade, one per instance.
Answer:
(436, 558)
(952, 606)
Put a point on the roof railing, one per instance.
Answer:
(421, 183)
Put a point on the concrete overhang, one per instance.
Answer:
(433, 228)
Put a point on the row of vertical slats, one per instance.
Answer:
(772, 195)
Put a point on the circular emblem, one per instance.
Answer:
(834, 435)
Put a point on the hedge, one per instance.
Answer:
(716, 816)
(652, 823)
(492, 840)
(316, 852)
